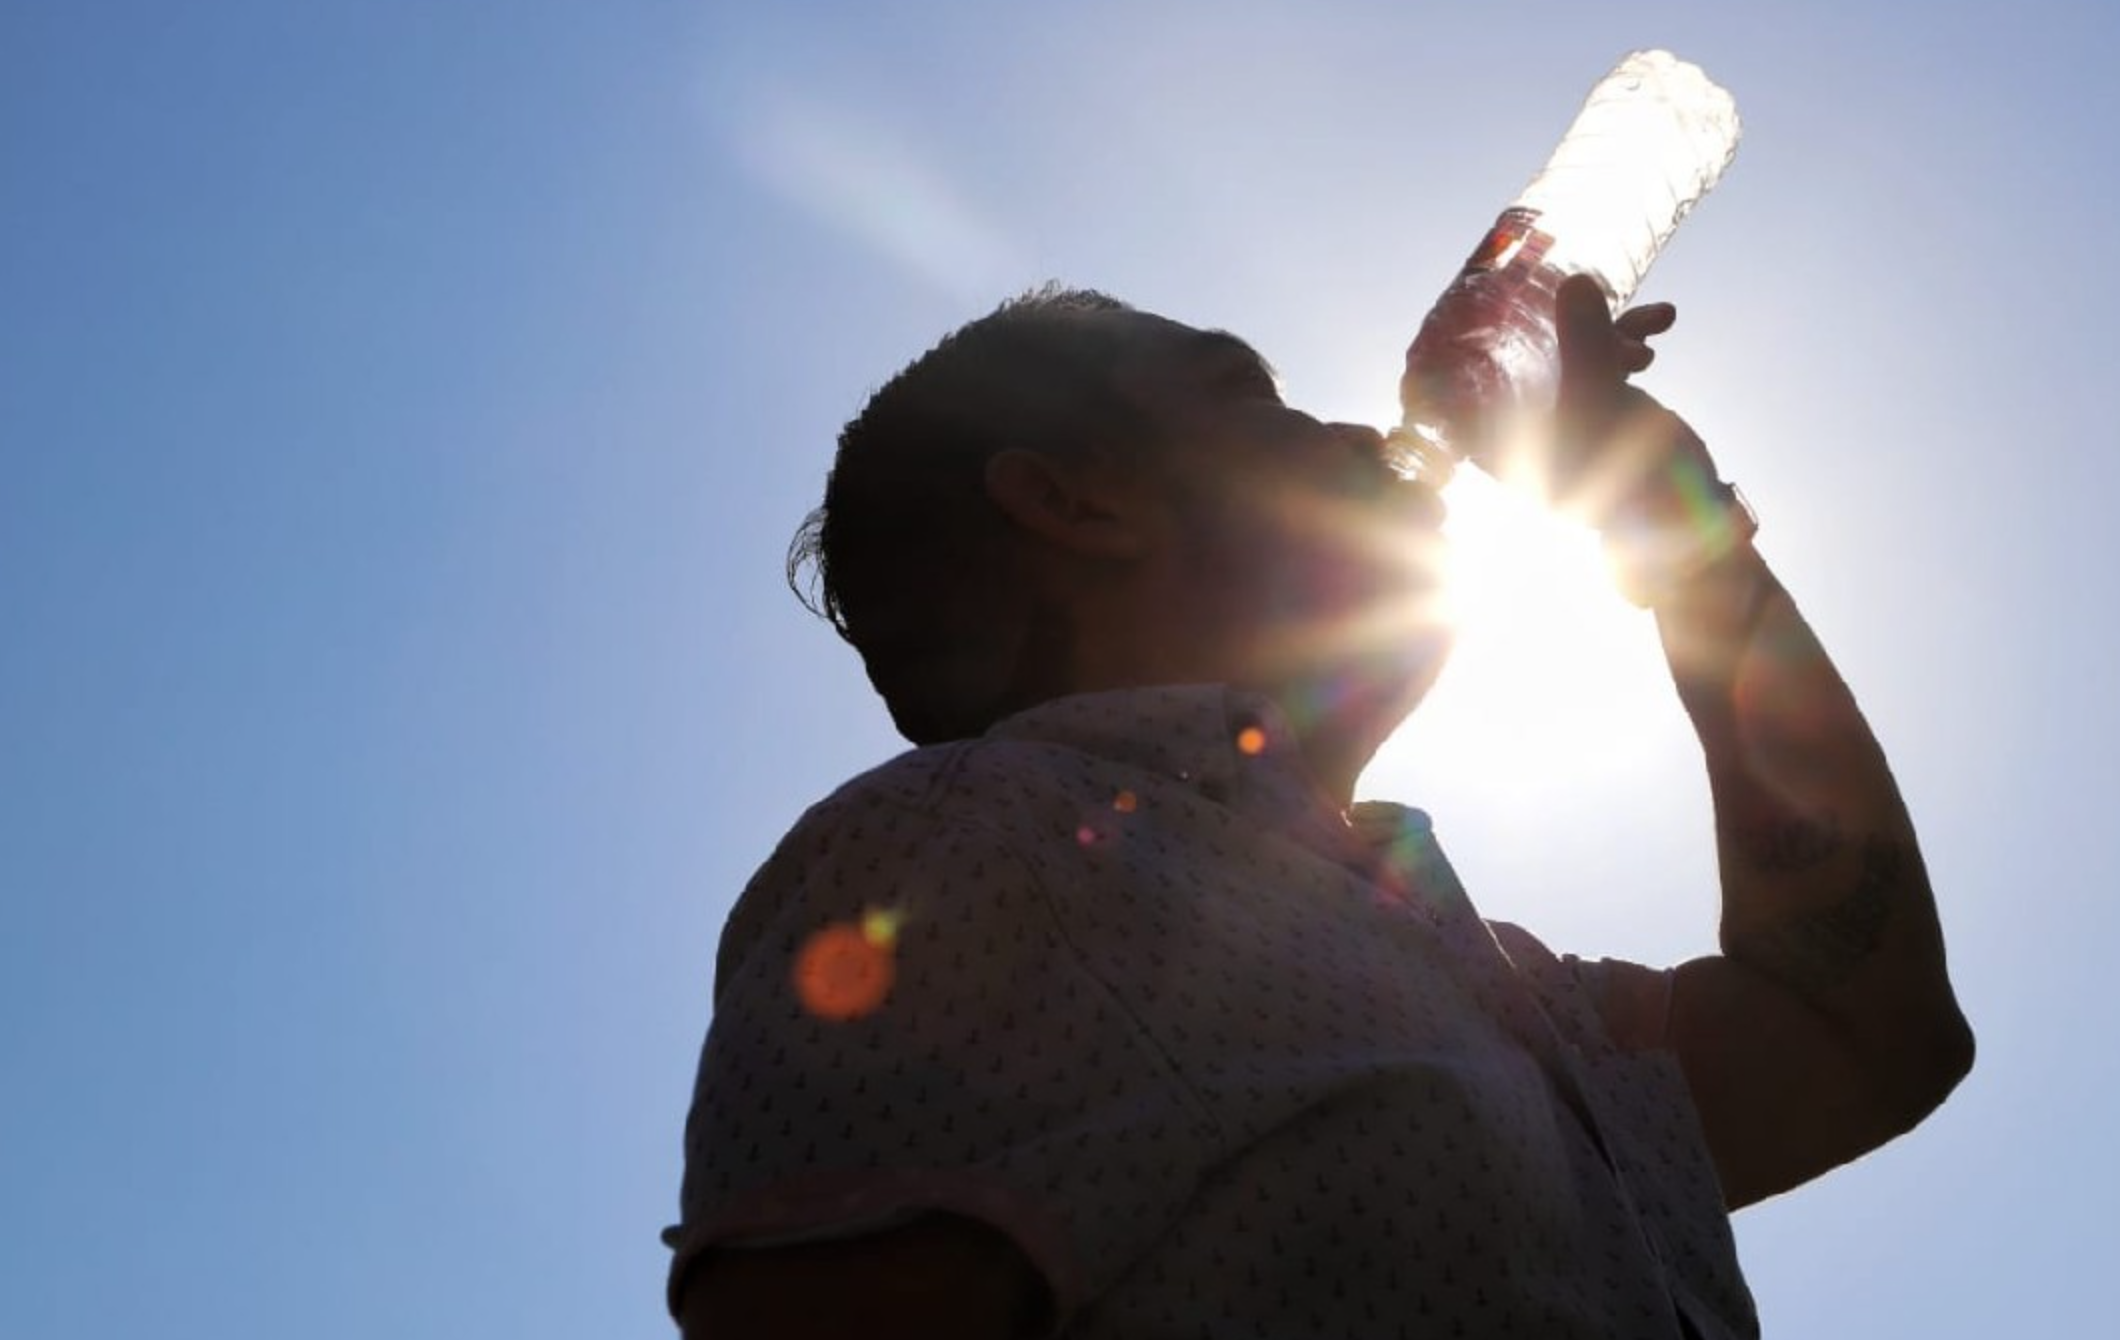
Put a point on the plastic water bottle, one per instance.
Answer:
(1652, 138)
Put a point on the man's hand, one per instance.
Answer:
(1612, 443)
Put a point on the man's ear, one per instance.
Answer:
(1085, 507)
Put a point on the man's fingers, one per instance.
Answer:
(1639, 323)
(1583, 325)
(1580, 310)
(1598, 348)
(1635, 326)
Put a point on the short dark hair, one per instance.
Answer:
(908, 558)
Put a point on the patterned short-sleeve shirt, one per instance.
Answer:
(1118, 981)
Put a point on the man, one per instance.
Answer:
(1105, 1013)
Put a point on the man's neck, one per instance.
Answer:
(1335, 769)
(1339, 729)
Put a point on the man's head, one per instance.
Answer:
(1069, 494)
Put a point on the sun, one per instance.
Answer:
(1553, 675)
(1517, 570)
(1556, 694)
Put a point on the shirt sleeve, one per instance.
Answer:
(902, 1025)
(1614, 1017)
(1597, 1005)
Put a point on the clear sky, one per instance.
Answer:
(404, 408)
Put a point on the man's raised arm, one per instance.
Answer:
(1827, 1025)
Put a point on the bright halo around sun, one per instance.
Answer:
(1555, 680)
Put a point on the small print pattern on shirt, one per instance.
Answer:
(1117, 981)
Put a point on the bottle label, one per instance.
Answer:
(1514, 239)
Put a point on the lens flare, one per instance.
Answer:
(845, 970)
(879, 926)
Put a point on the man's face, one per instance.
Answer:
(1298, 561)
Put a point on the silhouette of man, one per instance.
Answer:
(1105, 1012)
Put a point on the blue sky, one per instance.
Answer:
(404, 408)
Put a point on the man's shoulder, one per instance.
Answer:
(967, 803)
(917, 780)
(954, 783)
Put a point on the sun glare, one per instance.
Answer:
(1510, 557)
(1552, 670)
(1555, 692)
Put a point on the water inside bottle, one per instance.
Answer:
(1487, 356)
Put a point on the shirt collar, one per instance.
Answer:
(1236, 749)
(1233, 746)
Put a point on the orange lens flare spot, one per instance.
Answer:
(1126, 802)
(1251, 740)
(842, 972)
